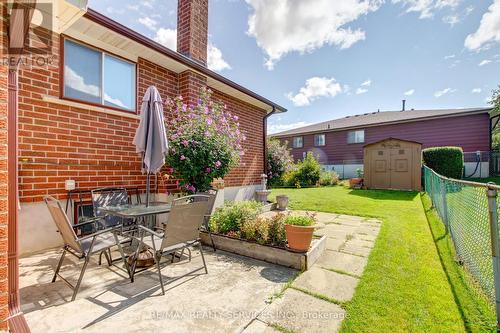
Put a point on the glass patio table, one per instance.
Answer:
(142, 213)
(137, 211)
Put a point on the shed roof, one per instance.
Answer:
(381, 118)
(391, 138)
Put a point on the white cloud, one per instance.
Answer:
(476, 90)
(455, 63)
(214, 59)
(443, 92)
(148, 22)
(484, 62)
(148, 3)
(113, 10)
(451, 20)
(275, 128)
(314, 88)
(284, 26)
(488, 31)
(167, 37)
(133, 7)
(360, 91)
(367, 83)
(451, 56)
(409, 92)
(426, 8)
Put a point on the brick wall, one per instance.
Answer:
(59, 142)
(3, 174)
(192, 29)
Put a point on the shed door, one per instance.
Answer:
(401, 168)
(380, 168)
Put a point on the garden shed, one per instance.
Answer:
(393, 164)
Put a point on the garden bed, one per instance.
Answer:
(272, 254)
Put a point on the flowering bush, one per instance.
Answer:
(205, 142)
(279, 161)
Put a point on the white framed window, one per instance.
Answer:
(96, 77)
(319, 140)
(298, 142)
(357, 136)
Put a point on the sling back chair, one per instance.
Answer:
(84, 247)
(182, 230)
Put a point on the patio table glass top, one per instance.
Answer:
(133, 211)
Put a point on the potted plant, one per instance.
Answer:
(358, 181)
(282, 201)
(299, 231)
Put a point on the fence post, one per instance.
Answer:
(444, 204)
(495, 246)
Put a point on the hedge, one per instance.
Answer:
(447, 161)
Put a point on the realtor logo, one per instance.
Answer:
(30, 27)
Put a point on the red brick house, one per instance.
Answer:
(76, 110)
(339, 143)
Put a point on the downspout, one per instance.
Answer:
(264, 135)
(16, 320)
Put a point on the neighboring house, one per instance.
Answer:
(339, 143)
(78, 115)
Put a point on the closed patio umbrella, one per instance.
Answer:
(151, 137)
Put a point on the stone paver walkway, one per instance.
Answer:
(314, 301)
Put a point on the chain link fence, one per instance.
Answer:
(469, 211)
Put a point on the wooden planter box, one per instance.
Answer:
(275, 255)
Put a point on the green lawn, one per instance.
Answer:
(404, 287)
(495, 180)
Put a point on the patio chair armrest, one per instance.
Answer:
(100, 232)
(92, 220)
(150, 231)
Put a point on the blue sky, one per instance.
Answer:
(324, 59)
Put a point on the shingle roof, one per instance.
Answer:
(378, 118)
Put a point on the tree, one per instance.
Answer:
(495, 102)
(279, 161)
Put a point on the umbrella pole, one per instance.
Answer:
(148, 189)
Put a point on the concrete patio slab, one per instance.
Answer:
(352, 248)
(339, 287)
(258, 326)
(303, 313)
(226, 299)
(334, 244)
(342, 262)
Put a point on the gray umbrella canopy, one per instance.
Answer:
(151, 136)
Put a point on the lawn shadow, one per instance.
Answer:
(385, 194)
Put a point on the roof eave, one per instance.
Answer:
(137, 37)
(479, 111)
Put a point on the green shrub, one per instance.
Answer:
(305, 173)
(255, 230)
(303, 221)
(327, 178)
(277, 235)
(447, 161)
(233, 215)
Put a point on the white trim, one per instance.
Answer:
(56, 100)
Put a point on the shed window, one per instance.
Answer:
(96, 77)
(357, 136)
(319, 140)
(298, 142)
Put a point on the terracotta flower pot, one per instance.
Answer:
(299, 238)
(355, 181)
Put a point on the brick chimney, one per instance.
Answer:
(192, 29)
